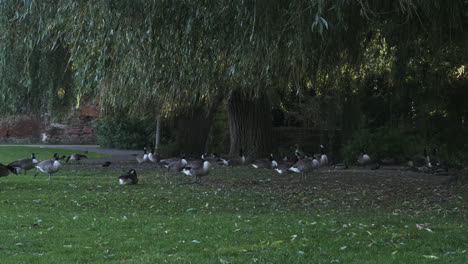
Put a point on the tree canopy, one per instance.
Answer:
(399, 56)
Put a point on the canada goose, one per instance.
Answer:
(363, 158)
(196, 163)
(6, 169)
(305, 165)
(284, 166)
(166, 161)
(223, 162)
(177, 165)
(239, 160)
(323, 157)
(142, 157)
(76, 157)
(48, 166)
(153, 157)
(197, 172)
(25, 164)
(129, 178)
(420, 160)
(106, 164)
(269, 163)
(301, 166)
(298, 153)
(315, 163)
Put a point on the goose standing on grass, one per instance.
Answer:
(6, 169)
(25, 164)
(129, 178)
(323, 157)
(198, 171)
(142, 158)
(305, 165)
(48, 166)
(269, 163)
(76, 157)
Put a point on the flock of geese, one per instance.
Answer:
(300, 163)
(47, 166)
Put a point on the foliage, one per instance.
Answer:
(125, 132)
(133, 52)
(397, 144)
(218, 141)
(336, 64)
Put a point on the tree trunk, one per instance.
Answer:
(250, 125)
(193, 129)
(158, 133)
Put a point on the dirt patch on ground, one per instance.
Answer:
(391, 186)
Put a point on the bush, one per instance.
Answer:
(383, 143)
(125, 132)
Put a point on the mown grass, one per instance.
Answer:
(84, 216)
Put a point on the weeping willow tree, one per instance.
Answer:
(34, 75)
(169, 56)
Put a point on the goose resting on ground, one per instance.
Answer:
(269, 163)
(6, 169)
(76, 157)
(129, 178)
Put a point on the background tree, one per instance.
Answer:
(359, 59)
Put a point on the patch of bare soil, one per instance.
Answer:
(389, 186)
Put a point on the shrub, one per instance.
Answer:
(383, 143)
(125, 132)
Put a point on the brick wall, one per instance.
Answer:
(20, 129)
(77, 129)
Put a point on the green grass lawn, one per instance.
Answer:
(236, 216)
